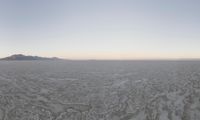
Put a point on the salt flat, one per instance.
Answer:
(99, 90)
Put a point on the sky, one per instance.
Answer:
(101, 29)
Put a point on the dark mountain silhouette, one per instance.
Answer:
(24, 57)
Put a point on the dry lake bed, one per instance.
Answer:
(99, 90)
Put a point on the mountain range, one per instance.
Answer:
(25, 57)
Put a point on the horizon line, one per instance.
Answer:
(116, 59)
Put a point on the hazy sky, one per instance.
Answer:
(101, 29)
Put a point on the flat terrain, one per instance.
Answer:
(99, 90)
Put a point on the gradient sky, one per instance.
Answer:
(101, 29)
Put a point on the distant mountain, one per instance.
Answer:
(24, 57)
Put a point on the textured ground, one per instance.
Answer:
(99, 90)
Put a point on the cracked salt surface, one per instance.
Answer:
(99, 90)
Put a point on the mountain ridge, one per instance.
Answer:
(20, 57)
